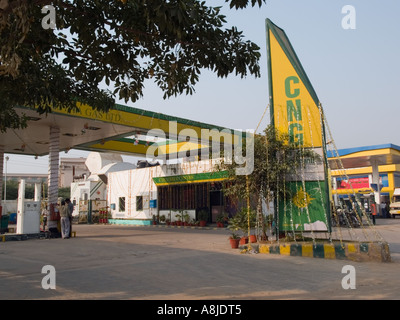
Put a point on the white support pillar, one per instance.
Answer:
(21, 207)
(38, 192)
(375, 179)
(54, 154)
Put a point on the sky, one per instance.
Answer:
(355, 73)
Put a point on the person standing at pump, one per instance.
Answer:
(65, 224)
(383, 210)
(70, 209)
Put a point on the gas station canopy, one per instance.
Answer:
(119, 130)
(376, 155)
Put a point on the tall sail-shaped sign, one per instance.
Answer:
(296, 112)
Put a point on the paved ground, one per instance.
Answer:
(151, 263)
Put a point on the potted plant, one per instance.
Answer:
(186, 218)
(241, 222)
(203, 217)
(253, 238)
(179, 217)
(162, 218)
(234, 240)
(221, 218)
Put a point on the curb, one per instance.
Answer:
(20, 237)
(355, 251)
(27, 236)
(166, 226)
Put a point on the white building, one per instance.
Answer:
(70, 169)
(94, 187)
(135, 196)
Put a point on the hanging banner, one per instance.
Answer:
(295, 111)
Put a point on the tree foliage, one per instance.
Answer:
(275, 159)
(121, 43)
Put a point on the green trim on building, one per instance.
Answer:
(191, 178)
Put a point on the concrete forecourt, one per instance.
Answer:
(156, 262)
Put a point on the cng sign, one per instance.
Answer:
(296, 112)
(293, 107)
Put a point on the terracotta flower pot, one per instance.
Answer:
(203, 223)
(234, 243)
(244, 240)
(253, 238)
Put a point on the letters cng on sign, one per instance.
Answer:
(295, 129)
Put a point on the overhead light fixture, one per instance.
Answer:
(87, 127)
(33, 118)
(20, 149)
(93, 128)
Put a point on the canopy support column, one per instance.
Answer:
(54, 154)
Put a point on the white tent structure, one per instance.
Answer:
(94, 187)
